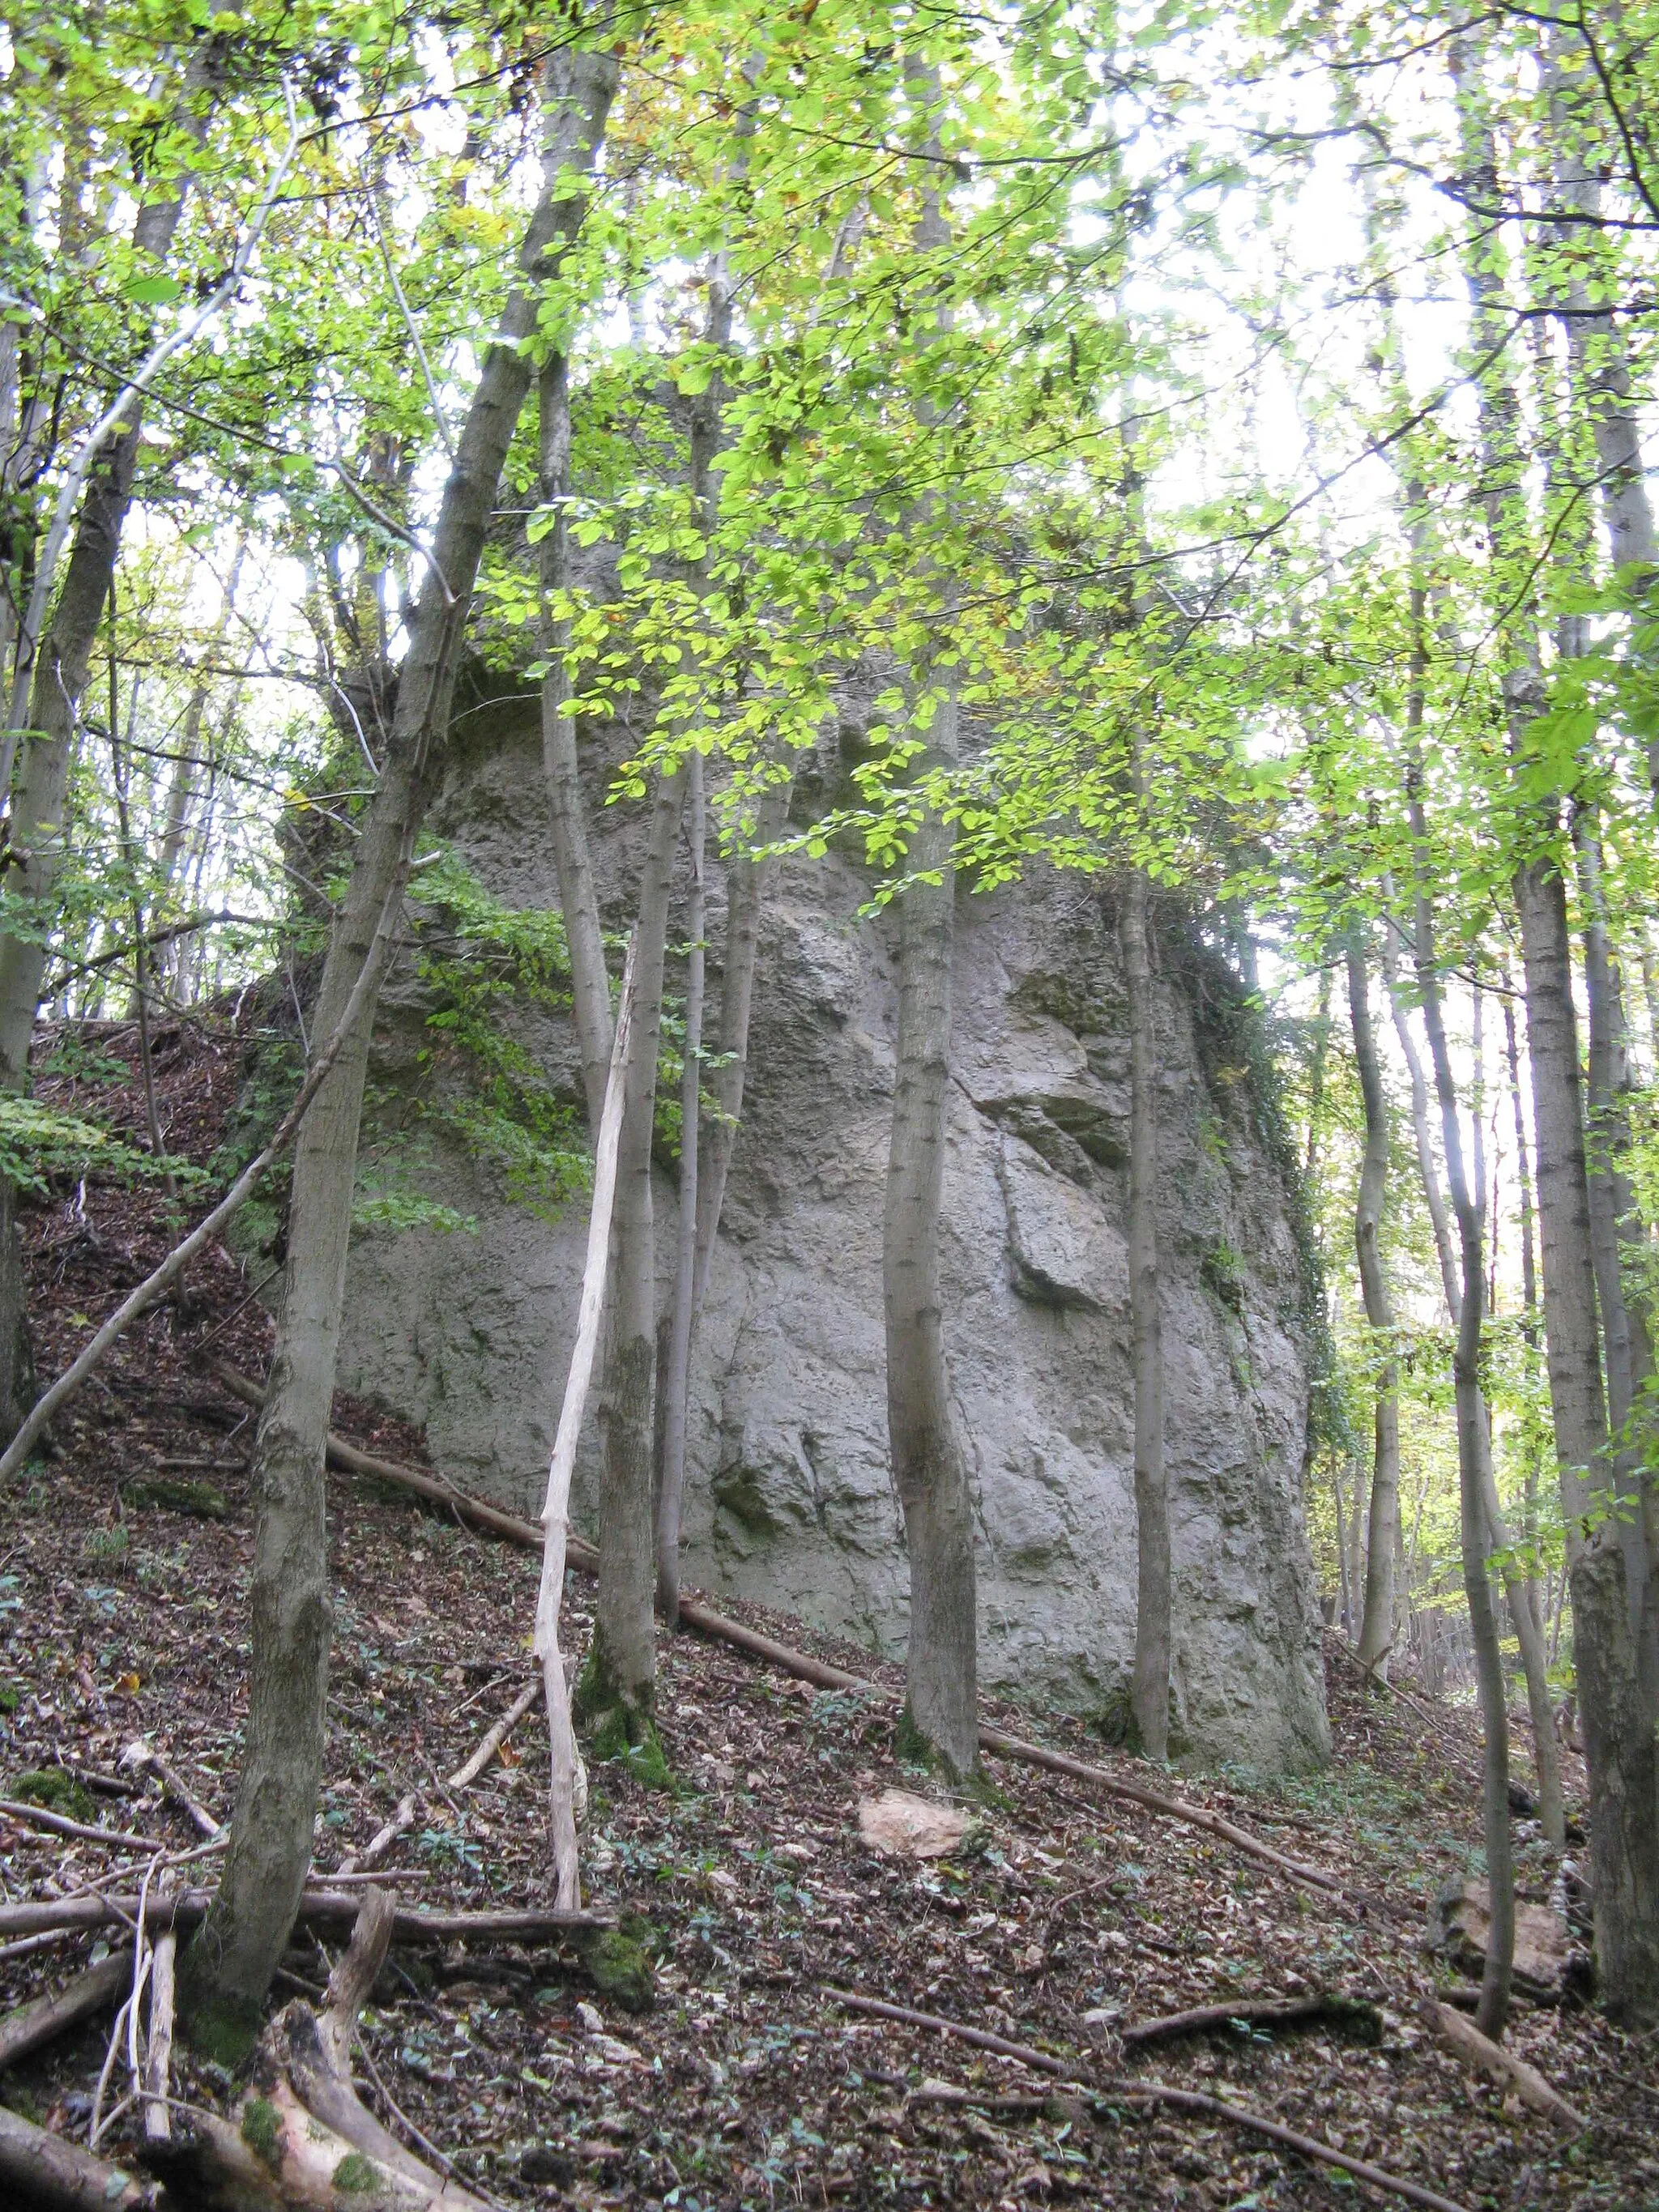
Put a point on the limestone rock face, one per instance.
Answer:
(790, 1496)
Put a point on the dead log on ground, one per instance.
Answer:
(33, 2025)
(1359, 2018)
(41, 2169)
(1130, 2090)
(301, 2135)
(319, 1908)
(1464, 2038)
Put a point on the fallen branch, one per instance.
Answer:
(359, 1863)
(158, 2049)
(319, 1908)
(1265, 2012)
(490, 1744)
(1464, 2038)
(381, 1841)
(59, 1824)
(1154, 2092)
(707, 1622)
(38, 2168)
(40, 2022)
(145, 1759)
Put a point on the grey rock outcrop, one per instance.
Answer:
(791, 1500)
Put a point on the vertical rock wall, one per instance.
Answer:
(790, 1499)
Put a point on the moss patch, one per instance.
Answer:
(354, 2174)
(262, 2131)
(621, 1733)
(58, 1789)
(619, 1967)
(200, 1500)
(913, 1747)
(221, 2029)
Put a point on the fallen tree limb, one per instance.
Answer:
(1154, 2092)
(38, 2168)
(490, 1744)
(350, 1461)
(360, 1863)
(707, 1622)
(319, 1908)
(59, 1824)
(1265, 2012)
(144, 1759)
(43, 2019)
(1464, 2038)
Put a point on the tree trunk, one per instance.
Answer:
(682, 1312)
(621, 1679)
(1377, 1632)
(1472, 1471)
(228, 1968)
(1149, 1694)
(1618, 1235)
(1618, 1726)
(1620, 1750)
(941, 1710)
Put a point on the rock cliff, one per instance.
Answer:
(790, 1498)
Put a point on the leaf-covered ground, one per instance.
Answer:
(747, 2085)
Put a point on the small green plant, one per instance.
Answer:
(1221, 1271)
(39, 1145)
(106, 1545)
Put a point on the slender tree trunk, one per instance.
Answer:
(1528, 1281)
(228, 1968)
(942, 1662)
(1474, 1465)
(1618, 1236)
(621, 1679)
(1149, 1693)
(579, 899)
(682, 1312)
(1376, 1634)
(1619, 1722)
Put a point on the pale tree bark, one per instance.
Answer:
(1377, 1627)
(1149, 1693)
(1528, 1278)
(677, 1376)
(564, 1762)
(928, 1469)
(228, 1971)
(1621, 1754)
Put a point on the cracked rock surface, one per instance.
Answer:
(790, 1498)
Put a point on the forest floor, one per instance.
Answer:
(748, 2085)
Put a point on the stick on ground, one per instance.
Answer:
(41, 2022)
(1159, 2093)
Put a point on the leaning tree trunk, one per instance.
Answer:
(1621, 1754)
(228, 1968)
(1149, 1693)
(1376, 1634)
